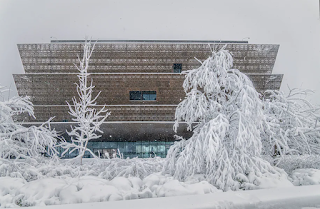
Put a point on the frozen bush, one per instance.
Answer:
(290, 126)
(228, 114)
(17, 141)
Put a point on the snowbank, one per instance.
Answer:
(67, 190)
(8, 188)
(306, 177)
(291, 198)
(166, 186)
(289, 163)
(267, 181)
(86, 189)
(50, 183)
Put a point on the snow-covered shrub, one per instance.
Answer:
(134, 167)
(227, 110)
(166, 186)
(31, 170)
(290, 125)
(84, 110)
(292, 162)
(16, 192)
(17, 141)
(302, 177)
(34, 141)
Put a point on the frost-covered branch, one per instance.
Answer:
(290, 125)
(17, 141)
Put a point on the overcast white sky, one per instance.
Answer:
(294, 24)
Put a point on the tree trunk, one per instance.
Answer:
(85, 148)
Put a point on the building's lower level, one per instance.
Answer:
(127, 138)
(125, 149)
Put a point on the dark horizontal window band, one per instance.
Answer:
(143, 95)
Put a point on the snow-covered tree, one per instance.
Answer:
(225, 113)
(290, 126)
(17, 141)
(84, 110)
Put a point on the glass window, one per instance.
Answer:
(149, 95)
(143, 95)
(141, 149)
(105, 153)
(135, 95)
(177, 67)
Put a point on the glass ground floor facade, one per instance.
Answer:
(131, 139)
(141, 149)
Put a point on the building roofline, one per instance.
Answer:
(151, 41)
(58, 73)
(105, 122)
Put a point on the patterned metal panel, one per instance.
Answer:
(142, 57)
(118, 68)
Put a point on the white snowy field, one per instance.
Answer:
(60, 183)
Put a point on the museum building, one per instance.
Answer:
(140, 83)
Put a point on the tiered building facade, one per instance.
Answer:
(140, 82)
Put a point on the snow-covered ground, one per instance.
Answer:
(66, 190)
(62, 183)
(305, 197)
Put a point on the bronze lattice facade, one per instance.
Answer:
(124, 71)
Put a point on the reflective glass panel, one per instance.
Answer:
(135, 95)
(149, 95)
